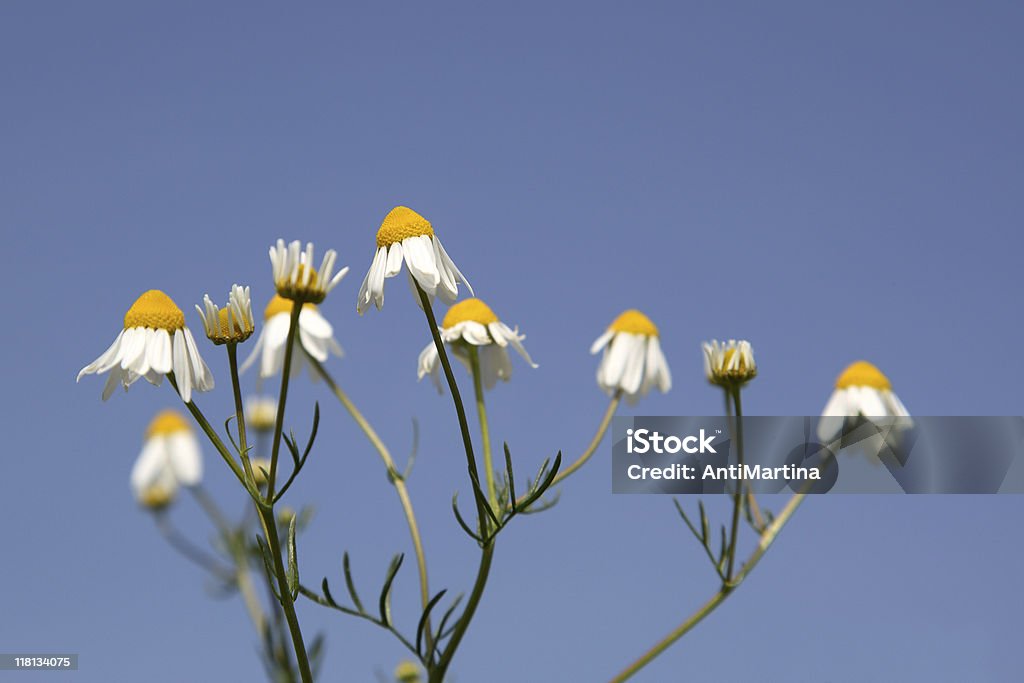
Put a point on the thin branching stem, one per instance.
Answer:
(485, 430)
(394, 476)
(437, 673)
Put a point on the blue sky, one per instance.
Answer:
(831, 182)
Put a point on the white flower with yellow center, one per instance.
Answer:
(232, 324)
(294, 275)
(406, 235)
(170, 458)
(862, 391)
(472, 322)
(153, 343)
(632, 361)
(315, 335)
(729, 364)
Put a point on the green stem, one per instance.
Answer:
(483, 571)
(606, 421)
(267, 512)
(236, 389)
(767, 538)
(737, 498)
(275, 449)
(460, 410)
(485, 431)
(397, 480)
(201, 420)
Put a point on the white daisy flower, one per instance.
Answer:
(632, 361)
(153, 343)
(862, 391)
(232, 324)
(170, 458)
(294, 276)
(406, 235)
(315, 335)
(473, 322)
(730, 363)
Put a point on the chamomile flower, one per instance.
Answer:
(729, 364)
(170, 458)
(406, 235)
(862, 391)
(315, 335)
(472, 322)
(153, 343)
(294, 276)
(407, 672)
(632, 361)
(232, 324)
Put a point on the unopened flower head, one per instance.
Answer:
(407, 672)
(315, 336)
(260, 413)
(632, 361)
(232, 324)
(862, 391)
(170, 458)
(153, 343)
(729, 364)
(406, 235)
(472, 323)
(294, 275)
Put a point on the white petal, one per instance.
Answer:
(833, 416)
(182, 367)
(601, 341)
(475, 333)
(107, 359)
(185, 458)
(134, 346)
(633, 375)
(394, 260)
(254, 354)
(616, 358)
(515, 338)
(447, 283)
(202, 378)
(377, 271)
(159, 352)
(446, 262)
(869, 402)
(314, 346)
(311, 322)
(148, 466)
(419, 256)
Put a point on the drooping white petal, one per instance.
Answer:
(515, 339)
(833, 416)
(658, 367)
(419, 256)
(107, 359)
(202, 377)
(159, 352)
(633, 374)
(368, 291)
(601, 341)
(313, 323)
(428, 365)
(394, 260)
(614, 362)
(474, 333)
(147, 468)
(868, 401)
(185, 458)
(134, 346)
(456, 274)
(257, 347)
(182, 367)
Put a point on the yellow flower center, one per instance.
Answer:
(741, 365)
(167, 422)
(156, 497)
(225, 324)
(634, 322)
(469, 310)
(281, 305)
(402, 223)
(155, 310)
(863, 374)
